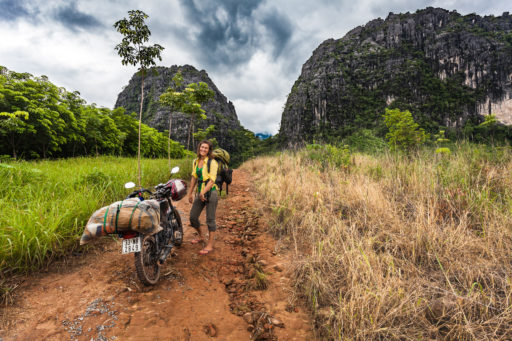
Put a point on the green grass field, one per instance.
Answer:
(46, 204)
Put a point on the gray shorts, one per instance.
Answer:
(211, 208)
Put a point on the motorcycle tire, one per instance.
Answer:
(146, 261)
(177, 227)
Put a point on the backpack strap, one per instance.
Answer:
(208, 165)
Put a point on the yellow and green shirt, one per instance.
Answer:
(202, 174)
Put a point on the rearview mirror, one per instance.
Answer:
(129, 185)
(175, 170)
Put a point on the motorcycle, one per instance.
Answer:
(151, 251)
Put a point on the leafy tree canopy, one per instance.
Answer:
(39, 119)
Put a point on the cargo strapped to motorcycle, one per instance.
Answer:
(105, 220)
(131, 215)
(117, 214)
(117, 217)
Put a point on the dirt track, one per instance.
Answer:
(96, 296)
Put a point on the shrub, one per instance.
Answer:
(404, 134)
(365, 141)
(443, 151)
(328, 155)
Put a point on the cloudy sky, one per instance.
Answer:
(252, 49)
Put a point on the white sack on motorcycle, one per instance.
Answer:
(130, 214)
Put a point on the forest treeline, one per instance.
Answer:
(40, 120)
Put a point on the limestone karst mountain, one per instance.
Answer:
(219, 111)
(446, 68)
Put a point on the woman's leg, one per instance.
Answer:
(211, 209)
(195, 211)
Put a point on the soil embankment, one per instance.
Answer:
(96, 296)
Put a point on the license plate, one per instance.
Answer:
(132, 245)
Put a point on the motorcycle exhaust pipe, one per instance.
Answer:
(165, 253)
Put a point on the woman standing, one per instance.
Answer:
(204, 173)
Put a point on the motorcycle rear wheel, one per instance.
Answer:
(146, 261)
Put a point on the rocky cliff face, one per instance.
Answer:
(447, 69)
(219, 111)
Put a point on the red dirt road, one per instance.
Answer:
(96, 296)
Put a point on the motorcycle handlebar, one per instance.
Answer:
(139, 192)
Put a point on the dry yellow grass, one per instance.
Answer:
(393, 248)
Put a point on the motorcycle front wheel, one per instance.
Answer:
(177, 227)
(146, 261)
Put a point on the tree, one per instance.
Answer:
(47, 116)
(48, 113)
(76, 128)
(188, 101)
(128, 126)
(203, 135)
(404, 133)
(197, 94)
(133, 52)
(103, 136)
(49, 124)
(175, 100)
(14, 127)
(489, 126)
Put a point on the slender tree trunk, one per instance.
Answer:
(140, 123)
(189, 132)
(192, 134)
(169, 142)
(13, 145)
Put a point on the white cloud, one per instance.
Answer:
(260, 116)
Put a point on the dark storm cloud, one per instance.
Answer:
(229, 32)
(11, 10)
(281, 30)
(72, 18)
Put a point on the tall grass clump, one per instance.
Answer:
(46, 204)
(394, 247)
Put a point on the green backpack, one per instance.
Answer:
(224, 173)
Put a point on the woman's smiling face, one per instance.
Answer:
(204, 149)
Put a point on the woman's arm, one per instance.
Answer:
(193, 182)
(205, 190)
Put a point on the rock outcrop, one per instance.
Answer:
(219, 111)
(447, 69)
